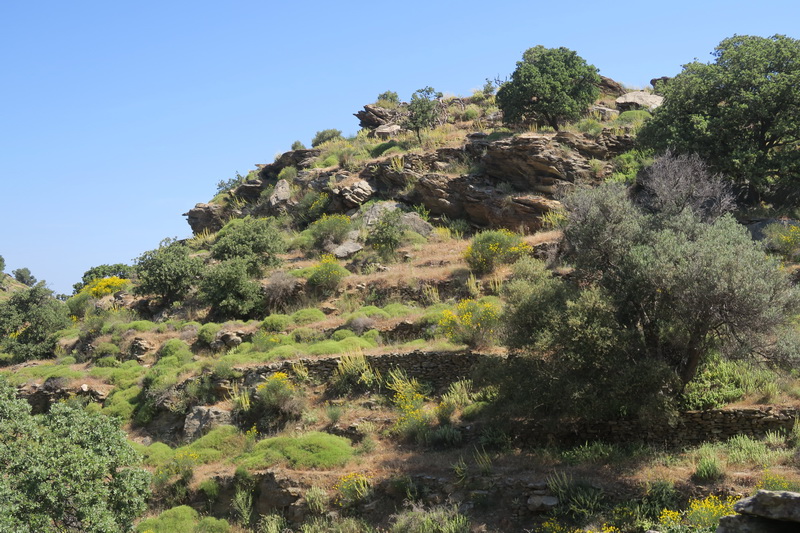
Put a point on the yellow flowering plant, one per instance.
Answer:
(491, 248)
(473, 322)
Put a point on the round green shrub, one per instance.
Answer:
(307, 316)
(276, 323)
(208, 333)
(340, 334)
(493, 247)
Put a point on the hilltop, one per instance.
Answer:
(445, 319)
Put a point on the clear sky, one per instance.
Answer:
(116, 117)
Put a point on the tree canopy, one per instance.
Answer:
(423, 110)
(549, 86)
(28, 321)
(660, 283)
(67, 470)
(168, 271)
(740, 113)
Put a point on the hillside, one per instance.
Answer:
(464, 326)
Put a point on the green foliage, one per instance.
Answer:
(354, 374)
(277, 323)
(388, 99)
(229, 290)
(423, 110)
(324, 136)
(168, 271)
(207, 333)
(66, 469)
(307, 316)
(434, 520)
(708, 469)
(257, 240)
(326, 276)
(474, 322)
(785, 239)
(183, 519)
(297, 145)
(493, 247)
(312, 205)
(310, 450)
(288, 174)
(739, 113)
(29, 321)
(2, 264)
(24, 276)
(387, 234)
(549, 86)
(329, 230)
(119, 270)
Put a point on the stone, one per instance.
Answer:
(387, 131)
(775, 505)
(201, 419)
(355, 194)
(609, 86)
(373, 116)
(140, 347)
(347, 249)
(639, 100)
(754, 524)
(542, 504)
(205, 217)
(281, 197)
(231, 339)
(373, 213)
(605, 113)
(414, 222)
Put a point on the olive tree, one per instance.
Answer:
(653, 293)
(168, 271)
(66, 471)
(28, 322)
(549, 86)
(423, 110)
(740, 113)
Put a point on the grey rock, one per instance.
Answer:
(204, 217)
(387, 131)
(346, 249)
(542, 504)
(775, 505)
(373, 213)
(356, 194)
(754, 524)
(281, 196)
(414, 222)
(639, 100)
(373, 116)
(605, 113)
(202, 419)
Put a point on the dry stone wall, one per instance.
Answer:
(690, 428)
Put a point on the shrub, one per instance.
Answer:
(709, 468)
(229, 290)
(100, 287)
(324, 136)
(329, 230)
(288, 174)
(471, 112)
(307, 316)
(297, 145)
(280, 292)
(312, 205)
(182, 519)
(493, 247)
(474, 323)
(168, 271)
(258, 240)
(435, 520)
(785, 239)
(408, 398)
(388, 99)
(276, 323)
(277, 400)
(353, 374)
(310, 450)
(352, 489)
(326, 276)
(387, 234)
(317, 500)
(207, 333)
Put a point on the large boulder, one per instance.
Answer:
(609, 86)
(764, 512)
(374, 116)
(205, 217)
(639, 100)
(201, 419)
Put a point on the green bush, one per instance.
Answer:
(435, 520)
(288, 174)
(493, 247)
(324, 136)
(329, 230)
(341, 334)
(182, 519)
(311, 450)
(277, 323)
(207, 333)
(230, 292)
(106, 348)
(297, 145)
(258, 240)
(108, 362)
(168, 272)
(307, 316)
(476, 323)
(312, 205)
(387, 234)
(326, 276)
(175, 348)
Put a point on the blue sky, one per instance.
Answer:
(117, 117)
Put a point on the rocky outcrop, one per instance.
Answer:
(205, 217)
(540, 161)
(764, 512)
(609, 86)
(387, 131)
(202, 419)
(639, 100)
(373, 117)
